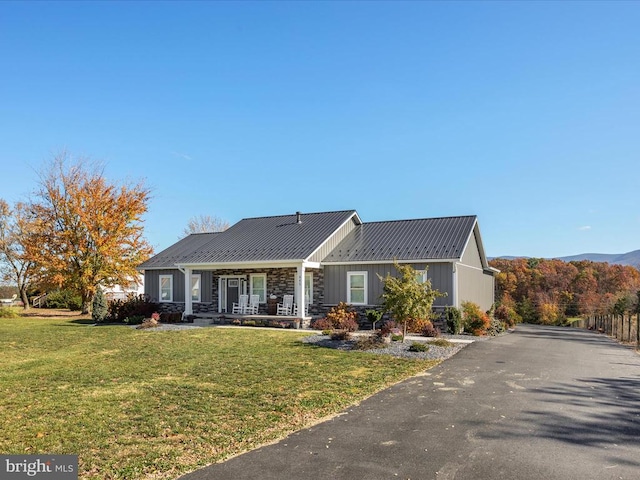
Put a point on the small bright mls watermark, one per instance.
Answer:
(42, 467)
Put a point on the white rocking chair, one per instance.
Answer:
(285, 307)
(241, 306)
(252, 307)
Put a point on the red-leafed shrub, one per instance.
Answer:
(430, 330)
(322, 324)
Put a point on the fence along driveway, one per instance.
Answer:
(547, 403)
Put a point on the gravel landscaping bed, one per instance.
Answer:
(397, 349)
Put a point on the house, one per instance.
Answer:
(320, 258)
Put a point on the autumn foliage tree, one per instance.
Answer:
(85, 231)
(548, 291)
(15, 266)
(406, 297)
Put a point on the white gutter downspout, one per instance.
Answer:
(454, 293)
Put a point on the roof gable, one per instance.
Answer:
(406, 240)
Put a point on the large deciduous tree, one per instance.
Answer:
(205, 224)
(87, 232)
(15, 266)
(408, 297)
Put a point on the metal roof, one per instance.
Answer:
(177, 252)
(278, 238)
(420, 239)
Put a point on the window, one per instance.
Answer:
(258, 286)
(421, 276)
(357, 288)
(166, 288)
(196, 280)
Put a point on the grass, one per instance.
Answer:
(8, 312)
(140, 404)
(442, 342)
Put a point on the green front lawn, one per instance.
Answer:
(151, 404)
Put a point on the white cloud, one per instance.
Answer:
(585, 228)
(184, 156)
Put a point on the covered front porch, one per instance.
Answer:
(212, 290)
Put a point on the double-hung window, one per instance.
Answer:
(357, 288)
(166, 288)
(258, 285)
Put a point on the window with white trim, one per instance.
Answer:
(421, 276)
(357, 288)
(196, 282)
(258, 285)
(166, 288)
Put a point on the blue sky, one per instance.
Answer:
(526, 114)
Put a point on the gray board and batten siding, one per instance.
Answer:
(152, 284)
(335, 280)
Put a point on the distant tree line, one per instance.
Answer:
(550, 291)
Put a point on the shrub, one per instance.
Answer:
(8, 312)
(340, 335)
(99, 307)
(65, 298)
(417, 325)
(442, 342)
(340, 317)
(149, 323)
(249, 323)
(387, 327)
(369, 342)
(171, 317)
(322, 324)
(343, 317)
(507, 315)
(474, 319)
(453, 317)
(132, 305)
(374, 316)
(134, 320)
(327, 332)
(430, 330)
(496, 327)
(397, 337)
(418, 347)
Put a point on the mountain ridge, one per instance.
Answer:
(630, 258)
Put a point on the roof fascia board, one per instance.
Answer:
(351, 217)
(391, 262)
(252, 264)
(476, 231)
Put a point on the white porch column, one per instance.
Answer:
(188, 303)
(300, 300)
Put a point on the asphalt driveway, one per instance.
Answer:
(540, 403)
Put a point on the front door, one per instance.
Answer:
(233, 292)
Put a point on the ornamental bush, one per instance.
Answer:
(99, 307)
(453, 317)
(474, 319)
(340, 317)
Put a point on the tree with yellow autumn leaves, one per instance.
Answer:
(85, 232)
